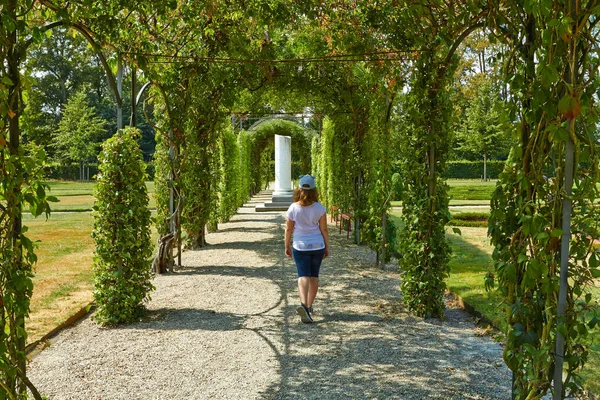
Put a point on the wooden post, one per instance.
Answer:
(133, 121)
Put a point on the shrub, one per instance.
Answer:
(121, 231)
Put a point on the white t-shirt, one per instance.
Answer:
(307, 235)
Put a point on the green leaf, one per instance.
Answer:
(562, 328)
(556, 232)
(457, 231)
(569, 107)
(593, 260)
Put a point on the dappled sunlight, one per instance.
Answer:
(230, 313)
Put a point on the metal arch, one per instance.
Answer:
(277, 116)
(133, 119)
(139, 95)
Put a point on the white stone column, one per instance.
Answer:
(283, 165)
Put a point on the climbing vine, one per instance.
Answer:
(336, 160)
(244, 190)
(162, 167)
(122, 276)
(198, 181)
(22, 187)
(379, 232)
(552, 70)
(230, 175)
(423, 245)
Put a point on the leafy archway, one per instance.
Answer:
(192, 52)
(262, 138)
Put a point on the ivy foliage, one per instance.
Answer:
(122, 275)
(199, 178)
(552, 72)
(162, 183)
(245, 170)
(379, 232)
(21, 186)
(263, 150)
(423, 245)
(336, 169)
(230, 183)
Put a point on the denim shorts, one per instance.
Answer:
(308, 262)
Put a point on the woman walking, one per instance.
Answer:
(307, 220)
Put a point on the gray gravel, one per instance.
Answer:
(224, 327)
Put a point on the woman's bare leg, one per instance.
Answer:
(313, 288)
(303, 289)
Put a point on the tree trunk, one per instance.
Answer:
(484, 167)
(383, 236)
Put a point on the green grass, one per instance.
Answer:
(74, 188)
(466, 192)
(62, 291)
(63, 274)
(467, 189)
(469, 219)
(471, 258)
(79, 196)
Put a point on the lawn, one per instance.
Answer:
(63, 273)
(462, 192)
(79, 196)
(471, 189)
(71, 188)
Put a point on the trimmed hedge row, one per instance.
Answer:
(464, 169)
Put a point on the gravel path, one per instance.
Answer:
(224, 327)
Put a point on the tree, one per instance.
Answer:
(59, 66)
(481, 133)
(77, 137)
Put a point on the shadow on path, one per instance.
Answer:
(362, 344)
(224, 326)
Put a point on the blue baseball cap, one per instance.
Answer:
(307, 182)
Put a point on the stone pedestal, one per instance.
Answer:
(282, 196)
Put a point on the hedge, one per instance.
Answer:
(464, 169)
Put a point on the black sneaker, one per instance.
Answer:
(310, 311)
(303, 313)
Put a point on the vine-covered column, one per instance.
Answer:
(199, 155)
(337, 148)
(21, 185)
(230, 182)
(379, 232)
(122, 275)
(423, 245)
(544, 258)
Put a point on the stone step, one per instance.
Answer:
(263, 208)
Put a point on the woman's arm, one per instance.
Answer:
(289, 228)
(325, 233)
